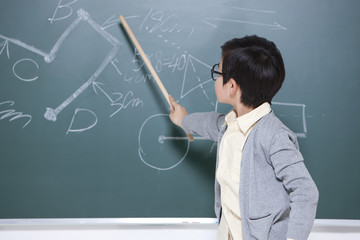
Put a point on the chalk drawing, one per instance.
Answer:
(12, 114)
(212, 21)
(242, 9)
(49, 57)
(147, 157)
(191, 83)
(51, 114)
(301, 127)
(22, 78)
(26, 46)
(155, 22)
(209, 20)
(303, 116)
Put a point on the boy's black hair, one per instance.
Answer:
(256, 65)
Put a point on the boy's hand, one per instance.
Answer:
(177, 112)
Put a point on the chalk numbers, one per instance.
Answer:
(158, 56)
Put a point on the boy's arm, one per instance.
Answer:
(289, 167)
(204, 124)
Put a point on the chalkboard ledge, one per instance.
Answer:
(319, 224)
(107, 221)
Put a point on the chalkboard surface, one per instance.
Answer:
(84, 131)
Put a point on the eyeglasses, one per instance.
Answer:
(214, 72)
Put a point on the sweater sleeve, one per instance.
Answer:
(289, 167)
(206, 125)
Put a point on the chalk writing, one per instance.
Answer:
(143, 78)
(67, 11)
(78, 111)
(191, 67)
(114, 62)
(121, 101)
(176, 62)
(157, 21)
(126, 101)
(138, 62)
(12, 114)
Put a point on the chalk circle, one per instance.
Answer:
(161, 146)
(29, 60)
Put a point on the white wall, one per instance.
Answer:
(158, 232)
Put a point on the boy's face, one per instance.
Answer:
(219, 87)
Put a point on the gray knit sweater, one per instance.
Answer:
(277, 195)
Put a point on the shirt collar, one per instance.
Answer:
(230, 117)
(248, 120)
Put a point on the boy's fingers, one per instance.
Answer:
(172, 102)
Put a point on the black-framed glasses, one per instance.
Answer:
(215, 72)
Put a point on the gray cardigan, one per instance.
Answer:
(278, 197)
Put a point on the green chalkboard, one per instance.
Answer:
(84, 131)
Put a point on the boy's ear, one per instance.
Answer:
(233, 86)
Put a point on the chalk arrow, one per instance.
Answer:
(278, 27)
(110, 22)
(96, 85)
(203, 19)
(3, 45)
(209, 20)
(113, 21)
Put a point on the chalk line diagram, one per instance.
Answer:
(51, 114)
(192, 72)
(192, 80)
(158, 156)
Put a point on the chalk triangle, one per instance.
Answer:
(196, 74)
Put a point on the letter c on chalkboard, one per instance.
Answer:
(23, 78)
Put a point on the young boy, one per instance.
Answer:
(262, 187)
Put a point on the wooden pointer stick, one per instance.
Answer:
(148, 64)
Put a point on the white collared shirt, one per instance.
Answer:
(228, 172)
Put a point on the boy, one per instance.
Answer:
(262, 187)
